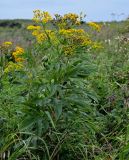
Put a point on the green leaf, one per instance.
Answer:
(50, 118)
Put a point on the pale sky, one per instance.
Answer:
(96, 10)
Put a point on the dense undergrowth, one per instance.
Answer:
(67, 95)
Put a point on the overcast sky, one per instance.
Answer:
(96, 10)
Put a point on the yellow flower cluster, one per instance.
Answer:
(87, 42)
(32, 27)
(67, 21)
(69, 49)
(37, 32)
(65, 36)
(7, 65)
(7, 44)
(74, 18)
(18, 53)
(41, 34)
(11, 67)
(76, 37)
(95, 26)
(41, 16)
(40, 37)
(70, 32)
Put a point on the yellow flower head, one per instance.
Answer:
(35, 33)
(87, 42)
(7, 44)
(41, 37)
(18, 52)
(95, 26)
(72, 18)
(70, 32)
(31, 27)
(41, 16)
(19, 59)
(69, 50)
(11, 67)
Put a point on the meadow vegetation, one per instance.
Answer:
(64, 89)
